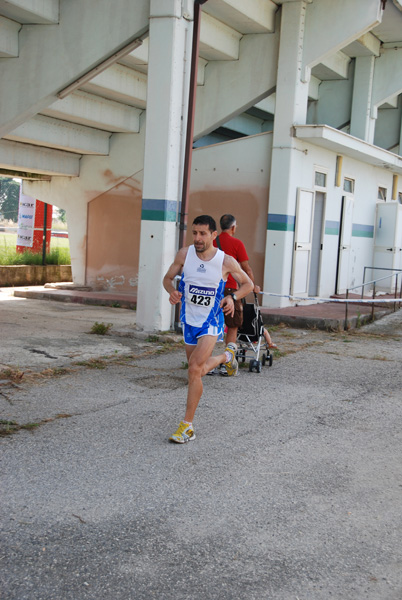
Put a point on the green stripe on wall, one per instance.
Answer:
(158, 215)
(364, 234)
(331, 230)
(280, 226)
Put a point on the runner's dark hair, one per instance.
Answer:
(205, 220)
(227, 221)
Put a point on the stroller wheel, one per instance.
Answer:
(264, 359)
(241, 354)
(255, 365)
(270, 360)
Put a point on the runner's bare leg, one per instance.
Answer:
(200, 362)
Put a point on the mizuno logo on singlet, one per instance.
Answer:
(201, 291)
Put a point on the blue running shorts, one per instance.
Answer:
(192, 334)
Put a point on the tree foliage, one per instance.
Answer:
(9, 198)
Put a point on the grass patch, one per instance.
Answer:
(14, 375)
(10, 427)
(58, 256)
(59, 252)
(101, 328)
(288, 334)
(382, 358)
(55, 372)
(152, 338)
(92, 363)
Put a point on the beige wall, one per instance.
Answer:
(233, 178)
(114, 222)
(226, 178)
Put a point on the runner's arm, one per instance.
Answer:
(230, 265)
(174, 269)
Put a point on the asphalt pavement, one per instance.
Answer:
(292, 489)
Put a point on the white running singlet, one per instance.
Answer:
(202, 287)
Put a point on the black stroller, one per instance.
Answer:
(250, 338)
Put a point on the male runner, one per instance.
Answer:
(204, 272)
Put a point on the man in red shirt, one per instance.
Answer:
(234, 247)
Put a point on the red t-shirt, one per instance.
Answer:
(234, 247)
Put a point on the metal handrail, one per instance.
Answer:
(396, 273)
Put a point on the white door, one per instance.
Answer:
(317, 244)
(302, 243)
(345, 239)
(387, 243)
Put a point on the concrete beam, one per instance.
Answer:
(254, 16)
(8, 38)
(267, 104)
(31, 11)
(333, 67)
(24, 157)
(387, 76)
(390, 103)
(245, 124)
(138, 58)
(217, 40)
(121, 84)
(233, 87)
(93, 31)
(349, 21)
(53, 133)
(366, 45)
(97, 112)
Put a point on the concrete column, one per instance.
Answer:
(98, 174)
(291, 109)
(400, 139)
(67, 194)
(362, 123)
(167, 97)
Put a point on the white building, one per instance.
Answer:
(297, 127)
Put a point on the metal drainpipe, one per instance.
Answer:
(190, 121)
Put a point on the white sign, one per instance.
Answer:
(26, 220)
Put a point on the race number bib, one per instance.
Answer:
(202, 296)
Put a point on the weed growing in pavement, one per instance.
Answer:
(14, 375)
(152, 338)
(101, 328)
(383, 358)
(10, 427)
(184, 365)
(288, 334)
(92, 363)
